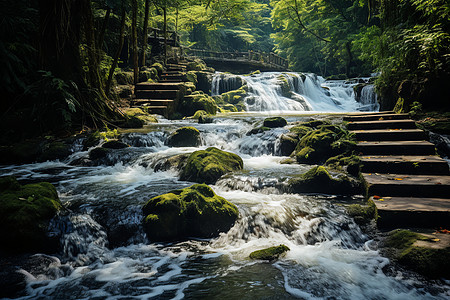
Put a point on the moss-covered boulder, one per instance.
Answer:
(363, 214)
(158, 67)
(257, 130)
(195, 211)
(198, 100)
(288, 142)
(207, 166)
(421, 253)
(349, 163)
(283, 83)
(115, 144)
(275, 122)
(235, 96)
(25, 212)
(226, 108)
(319, 180)
(141, 114)
(271, 253)
(320, 144)
(185, 137)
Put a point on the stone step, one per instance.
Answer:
(172, 76)
(390, 135)
(396, 148)
(385, 124)
(172, 80)
(393, 185)
(370, 113)
(148, 86)
(156, 94)
(153, 102)
(430, 165)
(171, 73)
(173, 67)
(379, 117)
(397, 212)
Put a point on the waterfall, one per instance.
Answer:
(290, 92)
(368, 99)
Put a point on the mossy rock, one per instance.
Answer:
(319, 180)
(98, 153)
(140, 114)
(363, 214)
(228, 108)
(195, 211)
(285, 88)
(270, 254)
(205, 119)
(275, 122)
(54, 150)
(176, 162)
(199, 113)
(124, 78)
(196, 65)
(207, 166)
(115, 145)
(300, 130)
(158, 67)
(288, 142)
(124, 91)
(92, 140)
(327, 141)
(257, 130)
(349, 163)
(25, 212)
(429, 261)
(198, 100)
(235, 96)
(185, 137)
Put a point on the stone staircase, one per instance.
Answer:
(162, 97)
(408, 182)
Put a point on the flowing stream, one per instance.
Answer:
(106, 255)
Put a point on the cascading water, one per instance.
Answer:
(294, 92)
(106, 255)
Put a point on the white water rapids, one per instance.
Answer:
(106, 255)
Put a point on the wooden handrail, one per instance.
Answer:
(269, 58)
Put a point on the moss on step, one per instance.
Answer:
(271, 253)
(429, 261)
(195, 211)
(207, 166)
(363, 214)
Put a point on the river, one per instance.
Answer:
(105, 254)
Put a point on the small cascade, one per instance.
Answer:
(368, 99)
(290, 92)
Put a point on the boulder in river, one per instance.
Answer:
(319, 180)
(275, 122)
(25, 212)
(195, 211)
(185, 137)
(271, 253)
(207, 166)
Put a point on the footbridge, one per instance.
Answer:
(240, 62)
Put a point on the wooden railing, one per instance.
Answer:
(263, 57)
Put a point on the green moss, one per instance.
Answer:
(198, 100)
(93, 139)
(124, 77)
(363, 214)
(235, 96)
(207, 166)
(25, 212)
(398, 108)
(284, 86)
(318, 145)
(228, 108)
(199, 113)
(300, 130)
(187, 136)
(319, 180)
(275, 122)
(288, 142)
(258, 130)
(349, 163)
(431, 262)
(140, 114)
(191, 212)
(191, 76)
(159, 68)
(271, 253)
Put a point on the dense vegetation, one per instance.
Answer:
(58, 57)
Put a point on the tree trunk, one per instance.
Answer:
(165, 33)
(134, 37)
(101, 36)
(117, 54)
(144, 45)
